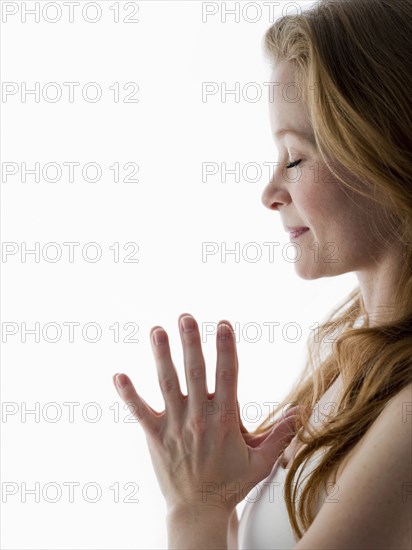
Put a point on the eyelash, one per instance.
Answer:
(293, 164)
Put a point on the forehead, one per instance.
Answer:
(283, 71)
(286, 105)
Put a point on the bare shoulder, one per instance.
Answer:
(402, 399)
(394, 422)
(370, 506)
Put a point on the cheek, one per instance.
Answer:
(310, 198)
(320, 199)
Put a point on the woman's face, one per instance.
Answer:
(339, 239)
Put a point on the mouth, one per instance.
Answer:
(295, 233)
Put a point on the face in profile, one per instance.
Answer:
(306, 194)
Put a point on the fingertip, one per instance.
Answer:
(183, 315)
(121, 380)
(225, 322)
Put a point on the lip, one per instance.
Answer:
(293, 229)
(295, 233)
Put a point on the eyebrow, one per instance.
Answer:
(306, 136)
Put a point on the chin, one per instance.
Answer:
(310, 271)
(309, 276)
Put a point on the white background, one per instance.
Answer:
(168, 213)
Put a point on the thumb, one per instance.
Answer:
(266, 454)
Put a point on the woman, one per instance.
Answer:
(344, 178)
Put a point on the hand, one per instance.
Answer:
(201, 452)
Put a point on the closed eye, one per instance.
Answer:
(293, 164)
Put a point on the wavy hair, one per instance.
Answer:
(353, 60)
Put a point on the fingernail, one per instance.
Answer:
(188, 324)
(159, 337)
(224, 331)
(121, 380)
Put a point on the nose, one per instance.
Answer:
(274, 195)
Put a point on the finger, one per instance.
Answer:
(255, 440)
(194, 361)
(166, 373)
(286, 432)
(226, 373)
(148, 417)
(299, 414)
(275, 443)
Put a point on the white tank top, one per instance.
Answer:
(264, 523)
